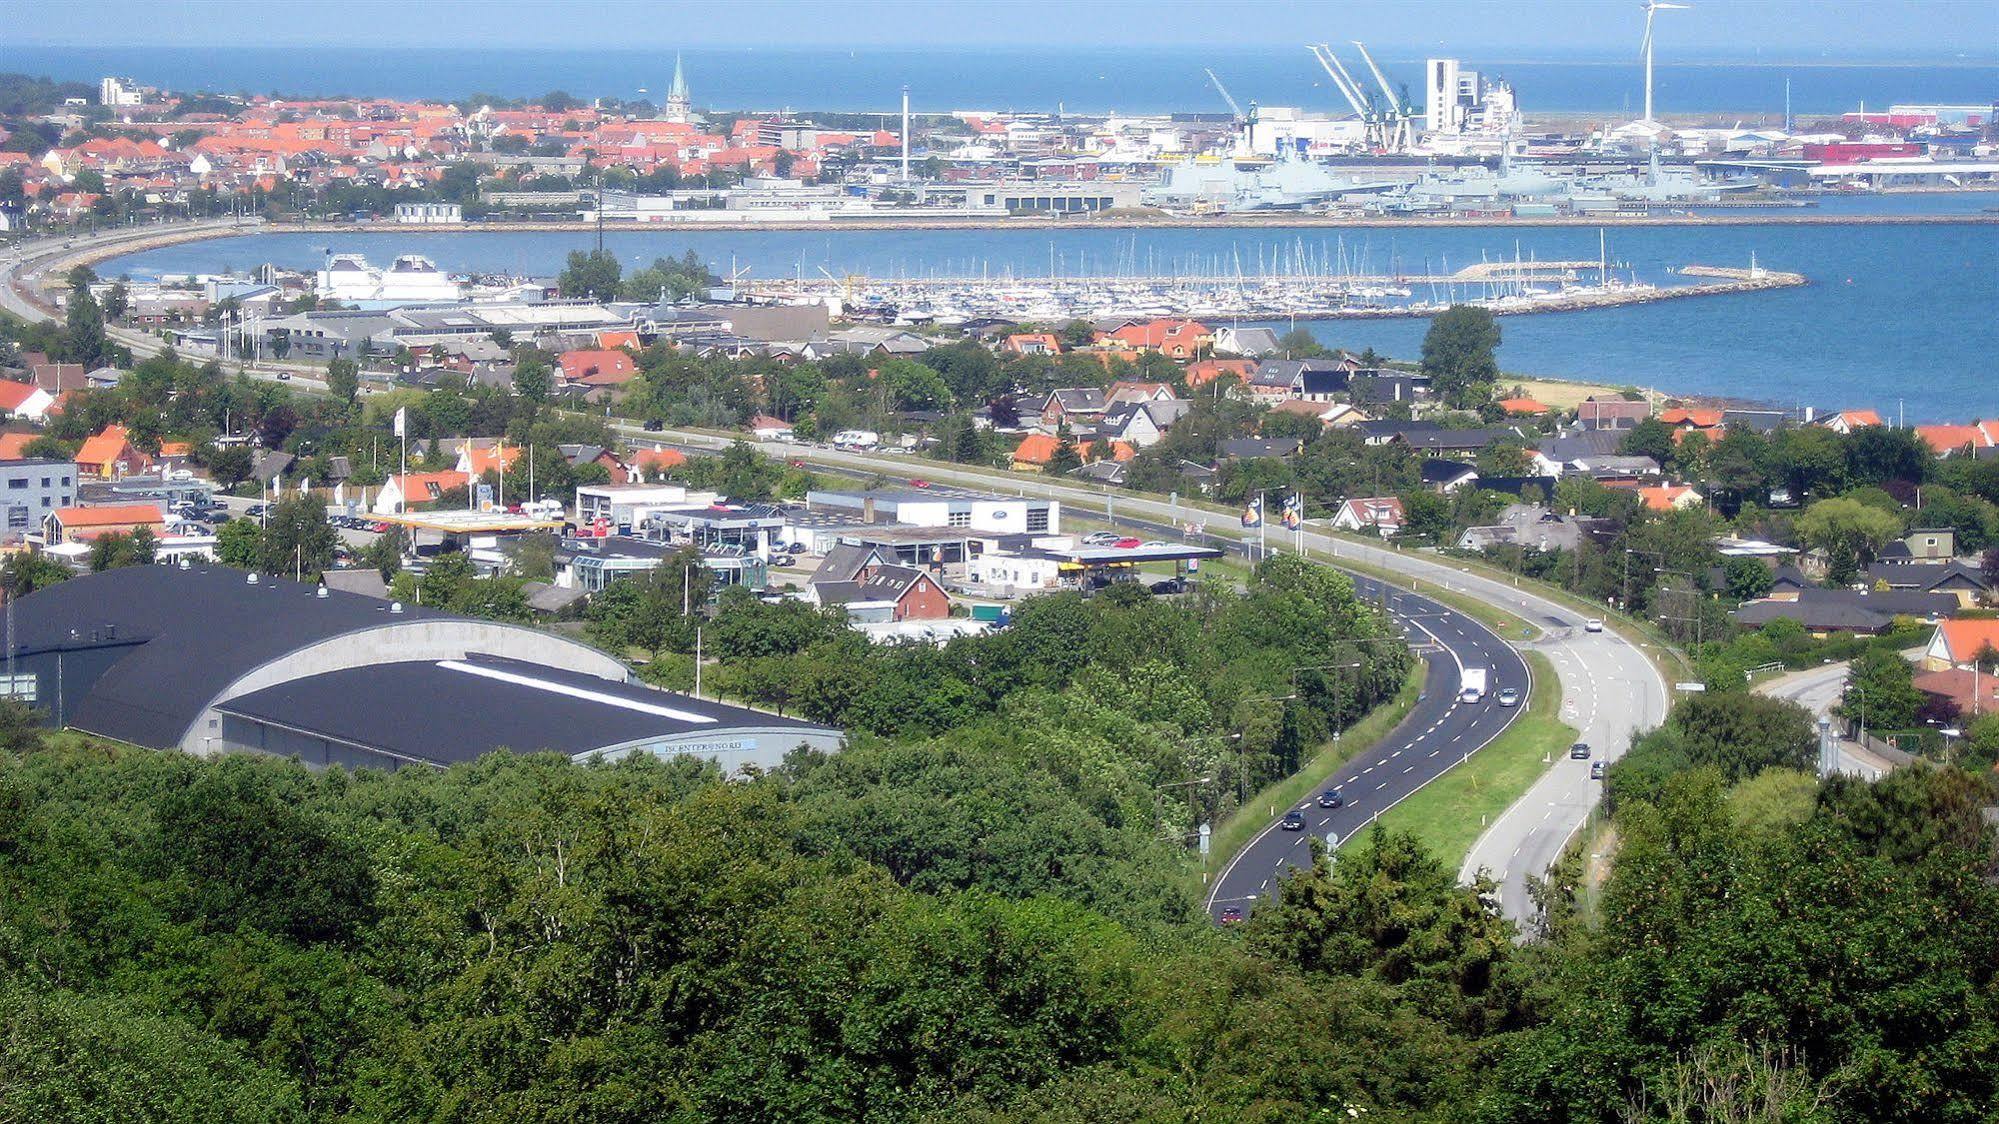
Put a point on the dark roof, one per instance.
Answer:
(890, 583)
(1390, 427)
(1243, 448)
(1437, 470)
(1847, 609)
(1927, 575)
(187, 634)
(1515, 485)
(843, 563)
(486, 712)
(1452, 438)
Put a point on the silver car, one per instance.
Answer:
(1509, 697)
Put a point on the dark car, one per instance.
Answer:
(1170, 585)
(1579, 751)
(1331, 798)
(654, 425)
(1294, 820)
(1596, 770)
(1231, 914)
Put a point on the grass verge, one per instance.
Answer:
(1236, 831)
(1449, 813)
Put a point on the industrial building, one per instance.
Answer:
(208, 659)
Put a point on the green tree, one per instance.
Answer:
(593, 275)
(83, 338)
(343, 379)
(1848, 531)
(534, 375)
(1460, 354)
(297, 539)
(1880, 691)
(240, 543)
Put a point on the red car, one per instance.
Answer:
(1127, 544)
(1231, 915)
(919, 483)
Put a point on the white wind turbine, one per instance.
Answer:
(1652, 6)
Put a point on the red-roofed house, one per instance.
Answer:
(14, 446)
(1384, 513)
(1208, 370)
(1958, 642)
(1945, 440)
(475, 461)
(1523, 407)
(110, 454)
(1034, 452)
(82, 524)
(1846, 421)
(24, 400)
(597, 367)
(1668, 497)
(654, 464)
(1031, 343)
(405, 491)
(1175, 339)
(1974, 692)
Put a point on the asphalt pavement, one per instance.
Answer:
(1439, 733)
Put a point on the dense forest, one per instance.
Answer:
(984, 910)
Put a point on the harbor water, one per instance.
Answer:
(1903, 318)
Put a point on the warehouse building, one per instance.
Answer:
(207, 659)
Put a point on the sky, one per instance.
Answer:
(1720, 28)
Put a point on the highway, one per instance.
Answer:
(1438, 733)
(1610, 689)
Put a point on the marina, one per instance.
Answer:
(1504, 288)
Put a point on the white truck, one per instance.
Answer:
(858, 439)
(1474, 686)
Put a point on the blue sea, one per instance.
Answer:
(1904, 319)
(1038, 78)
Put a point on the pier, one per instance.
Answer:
(1505, 288)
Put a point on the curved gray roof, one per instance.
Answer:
(174, 638)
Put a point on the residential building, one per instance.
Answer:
(29, 490)
(597, 367)
(1825, 612)
(1384, 514)
(24, 400)
(1171, 337)
(1956, 643)
(404, 491)
(1535, 527)
(886, 592)
(110, 454)
(1612, 413)
(1966, 583)
(83, 524)
(1247, 343)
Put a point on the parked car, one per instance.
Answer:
(1099, 538)
(1126, 544)
(1231, 914)
(1509, 697)
(1170, 585)
(654, 425)
(1331, 798)
(1579, 751)
(1593, 624)
(1294, 820)
(1596, 770)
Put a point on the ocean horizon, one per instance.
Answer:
(1019, 78)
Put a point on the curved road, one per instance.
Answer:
(1438, 733)
(1609, 688)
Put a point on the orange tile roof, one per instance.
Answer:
(1698, 418)
(1035, 448)
(1663, 497)
(1943, 439)
(14, 394)
(485, 460)
(416, 486)
(1965, 639)
(104, 447)
(1857, 418)
(597, 366)
(110, 515)
(658, 458)
(1522, 406)
(14, 446)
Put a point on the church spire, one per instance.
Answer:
(676, 94)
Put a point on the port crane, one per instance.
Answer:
(1240, 116)
(1399, 121)
(1387, 130)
